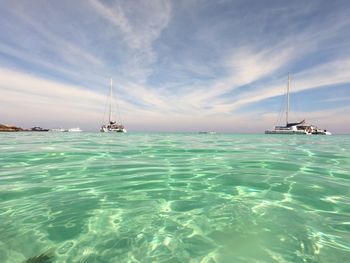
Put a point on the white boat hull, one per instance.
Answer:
(288, 132)
(74, 130)
(105, 129)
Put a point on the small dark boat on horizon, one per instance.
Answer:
(39, 129)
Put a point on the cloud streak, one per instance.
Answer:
(140, 24)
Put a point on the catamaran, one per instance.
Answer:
(112, 126)
(296, 127)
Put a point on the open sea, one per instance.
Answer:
(174, 197)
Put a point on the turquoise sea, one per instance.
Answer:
(174, 197)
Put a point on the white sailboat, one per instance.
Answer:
(112, 126)
(297, 127)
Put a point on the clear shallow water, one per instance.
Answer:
(94, 197)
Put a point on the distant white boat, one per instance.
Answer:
(58, 130)
(112, 126)
(297, 127)
(75, 130)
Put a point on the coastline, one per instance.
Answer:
(10, 128)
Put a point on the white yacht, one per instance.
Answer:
(112, 126)
(297, 127)
(313, 129)
(321, 131)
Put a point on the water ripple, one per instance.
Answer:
(94, 197)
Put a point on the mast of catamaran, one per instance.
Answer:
(287, 111)
(110, 102)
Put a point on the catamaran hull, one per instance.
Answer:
(288, 132)
(113, 130)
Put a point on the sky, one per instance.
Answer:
(184, 65)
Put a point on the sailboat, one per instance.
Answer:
(296, 127)
(112, 126)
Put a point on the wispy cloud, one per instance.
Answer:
(34, 99)
(140, 24)
(257, 72)
(328, 74)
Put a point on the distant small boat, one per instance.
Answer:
(112, 126)
(321, 131)
(297, 127)
(207, 132)
(75, 130)
(58, 130)
(38, 129)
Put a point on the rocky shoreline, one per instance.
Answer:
(10, 128)
(13, 128)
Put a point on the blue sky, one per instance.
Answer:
(177, 65)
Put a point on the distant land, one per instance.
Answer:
(13, 128)
(10, 128)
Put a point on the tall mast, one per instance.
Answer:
(288, 87)
(110, 101)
